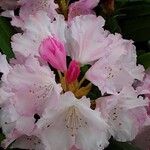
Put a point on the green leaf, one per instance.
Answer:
(84, 69)
(115, 145)
(120, 3)
(112, 25)
(134, 20)
(94, 93)
(6, 31)
(1, 137)
(137, 29)
(144, 60)
(141, 9)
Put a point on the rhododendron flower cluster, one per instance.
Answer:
(142, 139)
(44, 94)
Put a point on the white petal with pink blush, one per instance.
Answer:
(117, 68)
(28, 90)
(87, 39)
(125, 113)
(8, 4)
(35, 85)
(144, 87)
(28, 142)
(4, 67)
(142, 139)
(73, 123)
(82, 7)
(31, 7)
(38, 28)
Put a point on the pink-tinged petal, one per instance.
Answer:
(5, 94)
(74, 148)
(117, 68)
(81, 7)
(10, 138)
(144, 87)
(4, 67)
(7, 120)
(14, 125)
(34, 86)
(8, 4)
(51, 136)
(90, 4)
(79, 125)
(16, 20)
(19, 59)
(38, 28)
(96, 135)
(53, 51)
(8, 115)
(32, 7)
(7, 13)
(77, 10)
(125, 113)
(22, 44)
(108, 77)
(25, 125)
(73, 71)
(30, 88)
(87, 39)
(28, 8)
(142, 140)
(11, 120)
(28, 142)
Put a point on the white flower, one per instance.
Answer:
(73, 123)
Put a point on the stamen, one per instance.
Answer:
(73, 120)
(83, 91)
(60, 75)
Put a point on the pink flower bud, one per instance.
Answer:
(53, 51)
(73, 71)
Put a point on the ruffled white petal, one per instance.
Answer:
(28, 142)
(125, 114)
(4, 66)
(117, 68)
(87, 39)
(77, 123)
(38, 28)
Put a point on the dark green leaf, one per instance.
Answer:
(120, 3)
(134, 20)
(84, 69)
(6, 31)
(94, 93)
(135, 10)
(137, 29)
(144, 60)
(112, 25)
(1, 137)
(114, 145)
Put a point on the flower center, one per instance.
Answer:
(76, 87)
